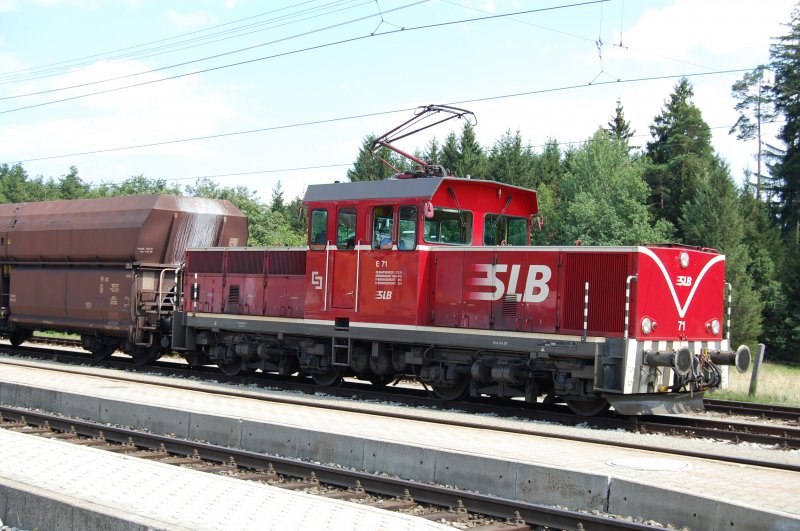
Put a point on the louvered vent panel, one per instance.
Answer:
(204, 261)
(606, 274)
(287, 262)
(245, 262)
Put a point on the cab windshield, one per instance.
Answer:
(450, 226)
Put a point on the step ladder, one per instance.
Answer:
(340, 347)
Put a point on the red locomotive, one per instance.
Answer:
(433, 276)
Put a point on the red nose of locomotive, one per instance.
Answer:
(679, 295)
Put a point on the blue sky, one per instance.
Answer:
(572, 61)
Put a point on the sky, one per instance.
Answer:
(252, 93)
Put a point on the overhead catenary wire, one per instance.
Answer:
(306, 49)
(199, 60)
(377, 113)
(65, 65)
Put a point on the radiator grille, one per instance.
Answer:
(287, 262)
(245, 262)
(204, 261)
(606, 274)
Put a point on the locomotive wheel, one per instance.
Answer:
(588, 408)
(231, 368)
(329, 378)
(456, 391)
(19, 337)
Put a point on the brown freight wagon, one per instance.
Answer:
(104, 268)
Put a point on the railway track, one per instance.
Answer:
(732, 407)
(752, 409)
(685, 427)
(470, 510)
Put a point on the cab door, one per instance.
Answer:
(345, 260)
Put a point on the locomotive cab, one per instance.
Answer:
(370, 242)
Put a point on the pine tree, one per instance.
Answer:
(368, 168)
(785, 63)
(277, 204)
(511, 162)
(618, 127)
(754, 107)
(681, 153)
(463, 155)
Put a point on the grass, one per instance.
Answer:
(56, 335)
(777, 384)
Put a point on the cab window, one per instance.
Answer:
(407, 229)
(450, 226)
(318, 229)
(346, 229)
(382, 227)
(504, 230)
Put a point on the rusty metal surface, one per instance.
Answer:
(154, 229)
(72, 298)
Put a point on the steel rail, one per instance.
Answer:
(753, 409)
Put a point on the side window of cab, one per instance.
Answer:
(318, 229)
(382, 227)
(346, 229)
(407, 228)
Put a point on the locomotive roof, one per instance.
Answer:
(422, 187)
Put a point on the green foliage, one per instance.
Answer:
(464, 156)
(785, 63)
(618, 127)
(681, 153)
(136, 185)
(754, 103)
(605, 197)
(277, 204)
(368, 168)
(511, 162)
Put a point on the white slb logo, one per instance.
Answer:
(536, 288)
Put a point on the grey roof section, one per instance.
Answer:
(388, 189)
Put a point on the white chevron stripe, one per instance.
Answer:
(681, 309)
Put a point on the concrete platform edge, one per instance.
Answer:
(30, 507)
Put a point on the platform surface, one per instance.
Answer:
(162, 496)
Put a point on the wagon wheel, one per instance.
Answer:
(19, 337)
(145, 355)
(231, 368)
(588, 408)
(329, 378)
(454, 391)
(103, 352)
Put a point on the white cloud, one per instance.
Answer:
(168, 110)
(716, 27)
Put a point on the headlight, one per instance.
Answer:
(647, 325)
(713, 327)
(684, 259)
